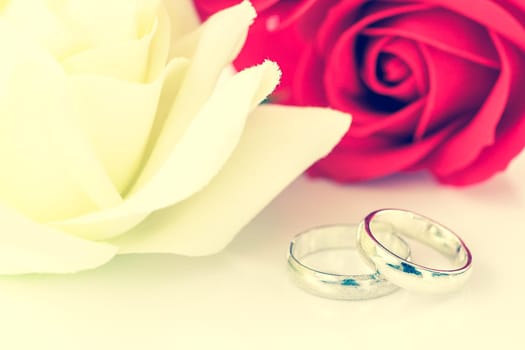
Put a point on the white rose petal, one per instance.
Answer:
(183, 18)
(128, 61)
(38, 137)
(160, 45)
(70, 26)
(210, 53)
(131, 106)
(100, 223)
(279, 143)
(99, 22)
(169, 163)
(30, 247)
(197, 158)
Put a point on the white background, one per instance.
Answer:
(242, 298)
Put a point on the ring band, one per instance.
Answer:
(338, 286)
(397, 269)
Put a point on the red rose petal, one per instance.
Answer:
(292, 11)
(465, 146)
(510, 134)
(338, 20)
(315, 17)
(369, 120)
(518, 4)
(348, 14)
(308, 89)
(493, 159)
(490, 15)
(373, 157)
(342, 67)
(456, 87)
(444, 30)
(398, 124)
(515, 7)
(362, 110)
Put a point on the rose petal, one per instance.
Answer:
(126, 60)
(183, 17)
(480, 131)
(278, 144)
(68, 27)
(447, 98)
(357, 159)
(351, 12)
(510, 133)
(337, 20)
(28, 247)
(37, 21)
(119, 20)
(492, 159)
(517, 3)
(160, 44)
(35, 125)
(221, 38)
(308, 87)
(401, 123)
(312, 19)
(195, 160)
(444, 30)
(284, 14)
(92, 224)
(191, 164)
(490, 15)
(514, 7)
(104, 106)
(341, 68)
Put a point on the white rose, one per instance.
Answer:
(116, 137)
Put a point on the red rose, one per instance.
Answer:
(432, 84)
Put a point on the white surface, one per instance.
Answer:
(242, 298)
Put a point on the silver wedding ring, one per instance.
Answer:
(379, 240)
(404, 273)
(332, 285)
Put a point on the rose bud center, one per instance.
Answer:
(391, 70)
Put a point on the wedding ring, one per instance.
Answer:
(332, 285)
(396, 268)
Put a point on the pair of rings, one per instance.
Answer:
(378, 238)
